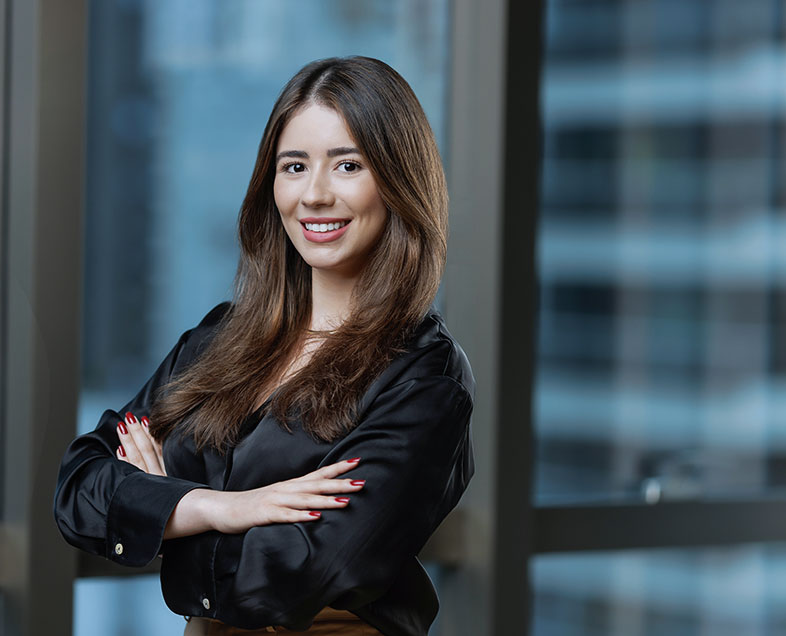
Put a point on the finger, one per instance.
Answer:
(331, 470)
(290, 515)
(129, 445)
(121, 454)
(153, 441)
(143, 444)
(145, 422)
(322, 486)
(310, 502)
(156, 445)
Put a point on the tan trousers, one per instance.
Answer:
(328, 622)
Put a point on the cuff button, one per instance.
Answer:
(119, 548)
(206, 603)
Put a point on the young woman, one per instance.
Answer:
(296, 449)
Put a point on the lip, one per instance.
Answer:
(322, 219)
(323, 237)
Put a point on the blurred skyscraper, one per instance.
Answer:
(661, 367)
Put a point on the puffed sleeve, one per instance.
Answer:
(109, 507)
(416, 457)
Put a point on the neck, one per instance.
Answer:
(331, 294)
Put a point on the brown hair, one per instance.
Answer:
(268, 320)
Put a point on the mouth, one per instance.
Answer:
(324, 230)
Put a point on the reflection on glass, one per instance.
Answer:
(717, 592)
(179, 93)
(661, 367)
(131, 606)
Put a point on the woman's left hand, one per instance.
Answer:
(138, 447)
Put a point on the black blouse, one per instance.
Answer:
(414, 441)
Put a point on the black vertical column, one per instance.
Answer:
(518, 318)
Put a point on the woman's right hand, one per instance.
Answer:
(295, 500)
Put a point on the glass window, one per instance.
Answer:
(179, 94)
(129, 605)
(661, 356)
(722, 592)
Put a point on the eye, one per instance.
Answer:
(348, 166)
(293, 167)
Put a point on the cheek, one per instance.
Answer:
(282, 196)
(376, 222)
(371, 202)
(379, 215)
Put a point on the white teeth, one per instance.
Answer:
(325, 227)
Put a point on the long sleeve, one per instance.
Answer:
(416, 457)
(112, 508)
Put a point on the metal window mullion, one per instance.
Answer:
(662, 525)
(518, 316)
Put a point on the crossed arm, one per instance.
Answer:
(232, 512)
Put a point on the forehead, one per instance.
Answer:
(314, 127)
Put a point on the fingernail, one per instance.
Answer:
(354, 460)
(122, 428)
(145, 421)
(358, 482)
(342, 499)
(130, 417)
(314, 513)
(122, 450)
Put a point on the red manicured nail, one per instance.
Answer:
(342, 499)
(145, 421)
(122, 428)
(354, 460)
(358, 482)
(122, 450)
(130, 417)
(314, 513)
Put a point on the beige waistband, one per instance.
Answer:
(330, 614)
(328, 621)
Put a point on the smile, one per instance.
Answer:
(325, 227)
(323, 230)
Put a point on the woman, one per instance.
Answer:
(295, 450)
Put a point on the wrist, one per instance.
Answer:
(208, 507)
(196, 512)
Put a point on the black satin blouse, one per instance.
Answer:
(414, 441)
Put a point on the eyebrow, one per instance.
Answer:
(333, 152)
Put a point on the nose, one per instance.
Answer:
(317, 193)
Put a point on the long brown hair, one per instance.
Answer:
(268, 320)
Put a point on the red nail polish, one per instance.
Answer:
(314, 513)
(122, 450)
(122, 428)
(145, 421)
(354, 460)
(358, 482)
(130, 417)
(342, 499)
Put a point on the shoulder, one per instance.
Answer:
(433, 353)
(197, 338)
(215, 315)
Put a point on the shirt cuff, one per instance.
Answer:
(138, 514)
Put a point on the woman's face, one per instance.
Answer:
(325, 193)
